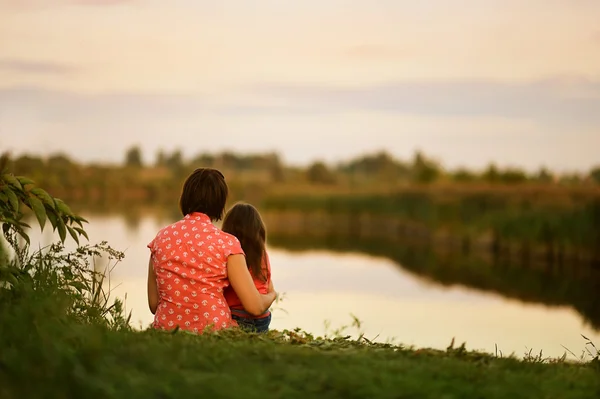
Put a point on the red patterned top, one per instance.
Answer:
(190, 262)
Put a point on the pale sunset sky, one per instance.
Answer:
(468, 82)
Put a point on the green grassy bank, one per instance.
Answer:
(62, 336)
(69, 360)
(558, 224)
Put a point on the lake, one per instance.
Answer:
(326, 286)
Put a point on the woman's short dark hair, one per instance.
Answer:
(204, 191)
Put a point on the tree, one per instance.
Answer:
(595, 174)
(176, 164)
(275, 167)
(319, 173)
(62, 171)
(570, 179)
(161, 159)
(491, 174)
(425, 170)
(379, 165)
(205, 160)
(513, 176)
(28, 165)
(544, 176)
(464, 175)
(175, 161)
(133, 157)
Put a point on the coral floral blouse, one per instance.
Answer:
(190, 262)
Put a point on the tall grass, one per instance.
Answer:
(548, 218)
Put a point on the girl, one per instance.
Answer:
(244, 222)
(192, 262)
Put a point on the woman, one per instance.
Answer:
(192, 262)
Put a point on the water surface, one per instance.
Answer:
(392, 303)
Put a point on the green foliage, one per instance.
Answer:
(71, 280)
(425, 170)
(319, 173)
(175, 161)
(88, 361)
(464, 175)
(376, 167)
(16, 191)
(572, 222)
(133, 157)
(255, 174)
(491, 174)
(61, 337)
(544, 176)
(512, 176)
(595, 175)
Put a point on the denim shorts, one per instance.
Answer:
(253, 325)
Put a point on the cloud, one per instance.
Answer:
(99, 2)
(569, 101)
(35, 67)
(374, 52)
(560, 103)
(547, 127)
(37, 4)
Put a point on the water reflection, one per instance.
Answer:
(579, 288)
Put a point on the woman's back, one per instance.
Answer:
(190, 262)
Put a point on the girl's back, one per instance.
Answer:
(244, 222)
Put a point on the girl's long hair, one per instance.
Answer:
(244, 222)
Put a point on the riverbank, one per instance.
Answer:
(527, 224)
(40, 358)
(62, 336)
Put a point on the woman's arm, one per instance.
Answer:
(152, 288)
(243, 285)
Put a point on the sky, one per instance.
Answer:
(467, 82)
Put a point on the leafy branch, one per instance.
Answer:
(19, 191)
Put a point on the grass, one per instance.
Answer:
(555, 221)
(87, 360)
(48, 349)
(62, 337)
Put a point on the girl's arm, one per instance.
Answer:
(152, 288)
(268, 265)
(271, 288)
(243, 285)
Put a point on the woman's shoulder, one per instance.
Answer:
(229, 243)
(170, 228)
(226, 237)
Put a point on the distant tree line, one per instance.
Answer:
(136, 178)
(380, 166)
